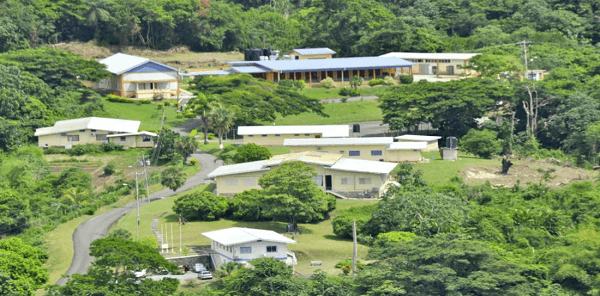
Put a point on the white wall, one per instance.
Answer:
(259, 250)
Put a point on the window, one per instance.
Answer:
(318, 180)
(250, 136)
(231, 182)
(376, 153)
(146, 138)
(83, 130)
(458, 67)
(296, 135)
(123, 139)
(307, 134)
(347, 181)
(63, 134)
(245, 250)
(73, 138)
(271, 249)
(250, 181)
(101, 137)
(264, 135)
(364, 180)
(353, 153)
(93, 131)
(277, 135)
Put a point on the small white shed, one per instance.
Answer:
(432, 141)
(245, 244)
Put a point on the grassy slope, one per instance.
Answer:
(328, 93)
(316, 242)
(439, 172)
(148, 114)
(350, 112)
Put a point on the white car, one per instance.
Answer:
(198, 267)
(140, 274)
(205, 275)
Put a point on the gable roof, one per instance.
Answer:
(239, 168)
(327, 131)
(313, 51)
(120, 63)
(407, 146)
(96, 123)
(433, 56)
(338, 64)
(238, 235)
(364, 166)
(142, 133)
(418, 138)
(338, 141)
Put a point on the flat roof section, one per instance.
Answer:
(364, 166)
(418, 138)
(340, 64)
(338, 141)
(238, 235)
(328, 131)
(248, 69)
(313, 51)
(431, 56)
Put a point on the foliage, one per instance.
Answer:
(406, 79)
(21, 267)
(394, 237)
(193, 161)
(481, 143)
(328, 82)
(354, 93)
(167, 147)
(120, 233)
(376, 81)
(344, 91)
(185, 146)
(356, 81)
(408, 178)
(118, 99)
(342, 224)
(193, 133)
(173, 177)
(84, 149)
(389, 80)
(109, 169)
(248, 206)
(201, 206)
(250, 152)
(300, 84)
(222, 120)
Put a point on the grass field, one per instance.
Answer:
(328, 93)
(316, 241)
(358, 111)
(148, 114)
(439, 171)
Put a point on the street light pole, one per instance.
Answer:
(137, 193)
(146, 177)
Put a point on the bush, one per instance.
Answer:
(394, 237)
(389, 80)
(355, 93)
(300, 84)
(286, 82)
(193, 161)
(111, 146)
(194, 132)
(356, 81)
(201, 206)
(481, 143)
(247, 206)
(376, 81)
(328, 82)
(109, 169)
(251, 152)
(342, 224)
(406, 79)
(167, 103)
(118, 99)
(344, 91)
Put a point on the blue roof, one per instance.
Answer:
(312, 51)
(207, 73)
(285, 66)
(248, 69)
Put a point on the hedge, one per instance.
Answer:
(118, 99)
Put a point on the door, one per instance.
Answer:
(434, 70)
(328, 182)
(450, 70)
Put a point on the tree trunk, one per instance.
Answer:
(220, 141)
(205, 128)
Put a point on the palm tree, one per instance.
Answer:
(74, 197)
(186, 146)
(98, 12)
(173, 177)
(201, 107)
(222, 120)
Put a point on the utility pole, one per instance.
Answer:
(525, 55)
(146, 177)
(355, 248)
(172, 244)
(137, 201)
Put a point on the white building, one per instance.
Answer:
(245, 244)
(432, 141)
(274, 135)
(140, 78)
(434, 63)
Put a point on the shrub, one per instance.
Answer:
(406, 79)
(251, 152)
(109, 169)
(111, 146)
(286, 82)
(394, 236)
(355, 93)
(300, 84)
(201, 206)
(118, 99)
(376, 81)
(167, 103)
(194, 132)
(344, 91)
(342, 224)
(193, 161)
(346, 265)
(356, 81)
(481, 143)
(211, 136)
(389, 80)
(247, 206)
(328, 82)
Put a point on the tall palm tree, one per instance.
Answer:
(222, 120)
(186, 146)
(98, 12)
(201, 107)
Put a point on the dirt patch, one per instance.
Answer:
(526, 171)
(180, 56)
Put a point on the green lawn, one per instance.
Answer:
(328, 93)
(148, 114)
(278, 150)
(339, 113)
(316, 241)
(439, 171)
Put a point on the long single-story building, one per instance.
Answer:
(274, 135)
(310, 53)
(241, 245)
(376, 148)
(93, 130)
(139, 78)
(432, 141)
(343, 176)
(434, 63)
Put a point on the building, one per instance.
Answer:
(434, 63)
(432, 141)
(310, 53)
(274, 135)
(537, 75)
(245, 244)
(341, 176)
(139, 78)
(92, 130)
(376, 149)
(133, 140)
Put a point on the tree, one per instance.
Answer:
(173, 177)
(291, 196)
(120, 233)
(201, 107)
(592, 136)
(481, 143)
(201, 206)
(248, 206)
(21, 267)
(356, 81)
(342, 223)
(222, 120)
(186, 146)
(251, 152)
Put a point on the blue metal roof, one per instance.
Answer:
(248, 69)
(364, 63)
(313, 51)
(207, 73)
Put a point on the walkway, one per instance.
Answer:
(97, 227)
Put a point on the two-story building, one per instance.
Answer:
(241, 245)
(139, 78)
(274, 135)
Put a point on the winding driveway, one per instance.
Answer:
(97, 227)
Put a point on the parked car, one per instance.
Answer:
(140, 274)
(205, 275)
(198, 267)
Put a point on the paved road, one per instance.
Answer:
(98, 226)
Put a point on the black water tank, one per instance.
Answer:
(256, 53)
(451, 142)
(266, 52)
(247, 54)
(356, 128)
